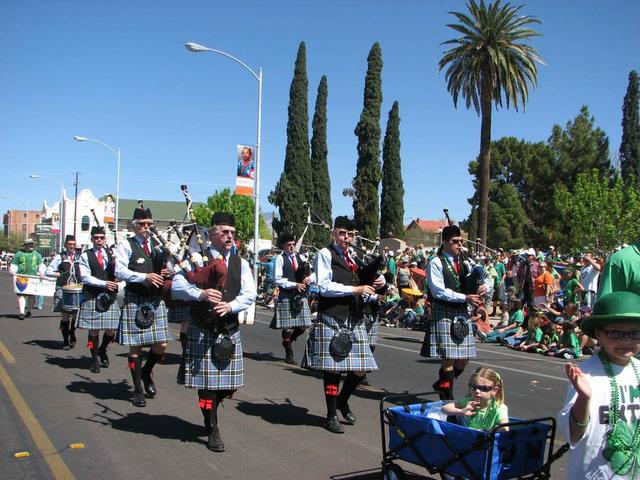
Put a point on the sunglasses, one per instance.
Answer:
(145, 224)
(457, 240)
(620, 334)
(482, 388)
(98, 237)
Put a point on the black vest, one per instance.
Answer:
(450, 281)
(287, 268)
(98, 272)
(341, 307)
(229, 323)
(65, 268)
(141, 263)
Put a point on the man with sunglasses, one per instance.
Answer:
(338, 342)
(292, 313)
(97, 270)
(143, 322)
(215, 326)
(449, 335)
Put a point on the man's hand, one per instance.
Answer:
(482, 290)
(307, 280)
(111, 286)
(154, 279)
(167, 273)
(301, 287)
(211, 295)
(379, 282)
(364, 290)
(222, 308)
(474, 299)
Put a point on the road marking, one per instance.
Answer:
(55, 462)
(6, 353)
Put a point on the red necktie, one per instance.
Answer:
(350, 263)
(294, 263)
(100, 260)
(456, 265)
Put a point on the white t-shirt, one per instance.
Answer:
(589, 278)
(585, 459)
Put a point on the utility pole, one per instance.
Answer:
(75, 205)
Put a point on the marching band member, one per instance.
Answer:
(99, 309)
(26, 261)
(143, 321)
(65, 266)
(338, 341)
(292, 313)
(453, 344)
(214, 362)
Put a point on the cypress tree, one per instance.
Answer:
(321, 199)
(292, 190)
(630, 145)
(392, 202)
(368, 171)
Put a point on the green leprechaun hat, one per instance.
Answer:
(612, 307)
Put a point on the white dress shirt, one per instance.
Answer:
(435, 278)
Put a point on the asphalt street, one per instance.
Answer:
(75, 424)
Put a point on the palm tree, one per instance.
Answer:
(486, 65)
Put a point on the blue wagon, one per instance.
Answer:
(418, 434)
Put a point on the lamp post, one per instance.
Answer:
(116, 151)
(61, 212)
(9, 197)
(194, 47)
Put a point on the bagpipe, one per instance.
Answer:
(474, 275)
(105, 299)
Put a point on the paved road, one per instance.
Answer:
(272, 428)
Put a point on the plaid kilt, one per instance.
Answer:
(129, 334)
(90, 319)
(318, 357)
(283, 318)
(203, 371)
(179, 313)
(438, 342)
(373, 328)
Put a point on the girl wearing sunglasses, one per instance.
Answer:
(483, 407)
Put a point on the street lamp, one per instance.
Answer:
(194, 47)
(116, 151)
(27, 204)
(61, 212)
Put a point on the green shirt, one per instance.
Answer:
(570, 291)
(486, 418)
(27, 262)
(502, 271)
(622, 271)
(535, 336)
(517, 317)
(570, 340)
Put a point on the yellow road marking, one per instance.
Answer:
(6, 354)
(55, 462)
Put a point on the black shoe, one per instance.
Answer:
(333, 425)
(149, 386)
(214, 442)
(444, 393)
(181, 374)
(138, 400)
(66, 346)
(21, 317)
(348, 416)
(29, 314)
(289, 357)
(95, 367)
(104, 358)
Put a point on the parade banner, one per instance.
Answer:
(109, 213)
(31, 285)
(245, 170)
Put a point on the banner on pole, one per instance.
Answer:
(246, 167)
(32, 285)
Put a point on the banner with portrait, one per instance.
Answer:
(109, 209)
(245, 171)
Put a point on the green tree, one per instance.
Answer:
(599, 215)
(508, 220)
(11, 243)
(292, 190)
(630, 145)
(242, 208)
(392, 201)
(321, 195)
(368, 170)
(487, 64)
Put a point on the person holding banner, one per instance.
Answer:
(292, 313)
(99, 309)
(65, 266)
(219, 291)
(26, 262)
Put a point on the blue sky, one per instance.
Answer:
(118, 71)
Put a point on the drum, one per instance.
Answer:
(71, 297)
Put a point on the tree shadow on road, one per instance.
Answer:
(262, 357)
(48, 344)
(106, 390)
(280, 412)
(75, 363)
